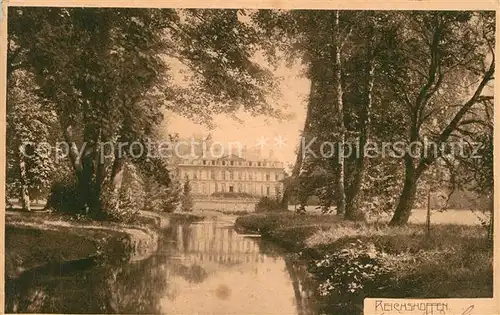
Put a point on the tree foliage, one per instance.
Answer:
(109, 74)
(405, 77)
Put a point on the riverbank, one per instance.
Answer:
(351, 261)
(40, 239)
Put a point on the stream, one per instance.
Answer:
(199, 268)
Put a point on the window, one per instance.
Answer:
(203, 174)
(231, 188)
(277, 177)
(250, 176)
(268, 177)
(204, 162)
(232, 163)
(231, 175)
(223, 162)
(259, 164)
(212, 174)
(213, 162)
(268, 190)
(239, 175)
(249, 163)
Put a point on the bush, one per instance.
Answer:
(123, 204)
(349, 275)
(160, 197)
(187, 199)
(64, 197)
(119, 205)
(311, 201)
(267, 204)
(232, 195)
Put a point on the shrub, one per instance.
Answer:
(231, 194)
(64, 197)
(348, 275)
(160, 197)
(124, 203)
(267, 204)
(187, 198)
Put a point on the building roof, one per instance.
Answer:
(231, 157)
(208, 150)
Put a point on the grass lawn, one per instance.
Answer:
(38, 239)
(454, 261)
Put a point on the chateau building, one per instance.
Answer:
(232, 174)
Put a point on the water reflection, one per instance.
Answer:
(204, 268)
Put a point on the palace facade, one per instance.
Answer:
(232, 174)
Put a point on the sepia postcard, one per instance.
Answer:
(249, 157)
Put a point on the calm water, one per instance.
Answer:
(202, 268)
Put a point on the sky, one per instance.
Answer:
(258, 132)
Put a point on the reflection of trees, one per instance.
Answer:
(270, 249)
(131, 288)
(192, 274)
(61, 290)
(303, 285)
(139, 287)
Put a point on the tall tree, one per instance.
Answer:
(337, 44)
(367, 47)
(30, 124)
(441, 55)
(317, 38)
(107, 71)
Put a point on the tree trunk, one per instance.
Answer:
(73, 153)
(100, 173)
(428, 220)
(85, 181)
(287, 192)
(117, 173)
(295, 173)
(354, 196)
(492, 220)
(407, 197)
(298, 161)
(25, 197)
(339, 110)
